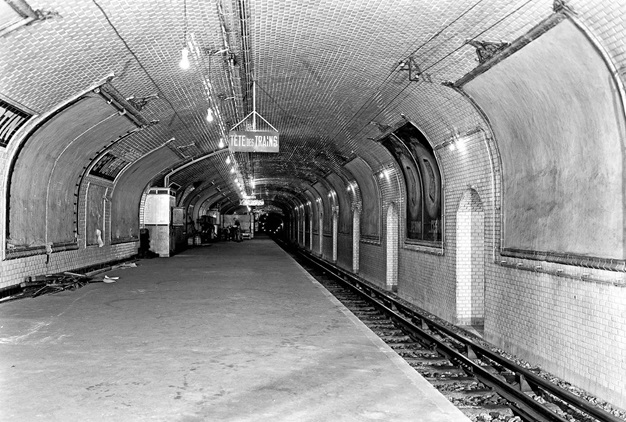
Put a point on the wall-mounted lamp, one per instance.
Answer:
(383, 173)
(184, 61)
(460, 144)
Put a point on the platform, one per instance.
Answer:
(230, 332)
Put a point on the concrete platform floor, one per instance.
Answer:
(230, 332)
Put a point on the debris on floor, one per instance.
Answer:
(53, 283)
(108, 279)
(34, 286)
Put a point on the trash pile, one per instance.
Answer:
(38, 285)
(53, 283)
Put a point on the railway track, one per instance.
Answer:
(483, 384)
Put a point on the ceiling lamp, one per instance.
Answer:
(221, 145)
(184, 61)
(228, 160)
(209, 118)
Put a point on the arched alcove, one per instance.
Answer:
(392, 247)
(335, 230)
(470, 260)
(356, 237)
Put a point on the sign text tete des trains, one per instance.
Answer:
(253, 141)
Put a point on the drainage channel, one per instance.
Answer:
(482, 384)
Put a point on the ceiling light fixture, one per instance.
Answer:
(228, 160)
(184, 61)
(221, 145)
(209, 118)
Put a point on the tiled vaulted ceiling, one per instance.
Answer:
(326, 71)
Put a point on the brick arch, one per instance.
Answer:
(392, 233)
(335, 223)
(470, 260)
(356, 236)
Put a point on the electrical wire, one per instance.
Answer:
(440, 60)
(130, 50)
(185, 28)
(476, 36)
(281, 108)
(393, 71)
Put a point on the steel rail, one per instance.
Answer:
(512, 392)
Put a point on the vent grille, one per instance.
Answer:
(108, 167)
(11, 120)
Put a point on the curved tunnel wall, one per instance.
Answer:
(43, 190)
(371, 217)
(344, 221)
(512, 293)
(559, 122)
(128, 190)
(324, 217)
(558, 119)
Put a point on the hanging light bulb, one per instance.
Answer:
(184, 61)
(232, 169)
(221, 145)
(209, 116)
(228, 160)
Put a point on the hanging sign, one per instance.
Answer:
(253, 141)
(253, 202)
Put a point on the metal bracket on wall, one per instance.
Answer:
(139, 103)
(561, 6)
(485, 50)
(415, 72)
